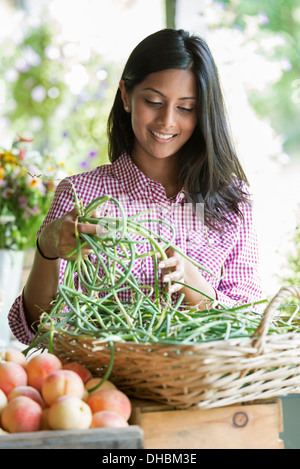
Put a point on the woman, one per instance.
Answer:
(170, 150)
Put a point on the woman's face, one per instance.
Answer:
(163, 113)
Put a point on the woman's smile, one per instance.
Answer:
(162, 137)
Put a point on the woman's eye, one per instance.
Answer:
(152, 103)
(186, 109)
(158, 103)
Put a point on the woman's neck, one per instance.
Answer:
(165, 171)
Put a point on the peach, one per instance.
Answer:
(106, 418)
(69, 413)
(11, 375)
(3, 401)
(60, 383)
(81, 370)
(22, 414)
(45, 424)
(41, 366)
(93, 382)
(28, 391)
(86, 395)
(13, 355)
(111, 399)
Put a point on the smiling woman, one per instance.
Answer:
(207, 160)
(171, 154)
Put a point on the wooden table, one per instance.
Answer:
(254, 425)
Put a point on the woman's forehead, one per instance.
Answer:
(182, 82)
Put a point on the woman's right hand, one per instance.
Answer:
(58, 239)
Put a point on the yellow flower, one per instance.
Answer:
(34, 182)
(2, 173)
(9, 157)
(51, 186)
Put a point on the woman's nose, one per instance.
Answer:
(167, 116)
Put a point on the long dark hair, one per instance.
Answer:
(210, 171)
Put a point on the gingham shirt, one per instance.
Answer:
(232, 255)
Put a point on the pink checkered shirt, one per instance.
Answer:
(232, 256)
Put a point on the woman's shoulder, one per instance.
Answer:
(88, 184)
(102, 170)
(93, 177)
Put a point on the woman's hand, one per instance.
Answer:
(173, 269)
(58, 237)
(177, 268)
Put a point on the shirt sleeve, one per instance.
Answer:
(63, 201)
(240, 283)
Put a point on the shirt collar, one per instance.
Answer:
(135, 182)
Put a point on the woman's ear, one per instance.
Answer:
(124, 96)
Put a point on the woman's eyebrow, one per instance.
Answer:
(161, 94)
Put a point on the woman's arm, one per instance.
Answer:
(239, 283)
(57, 239)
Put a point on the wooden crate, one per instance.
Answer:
(247, 426)
(96, 438)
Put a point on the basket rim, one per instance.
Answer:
(249, 342)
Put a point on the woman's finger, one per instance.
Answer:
(167, 263)
(176, 275)
(87, 228)
(175, 287)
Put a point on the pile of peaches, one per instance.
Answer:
(44, 393)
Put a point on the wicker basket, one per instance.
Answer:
(205, 375)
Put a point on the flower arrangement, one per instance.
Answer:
(27, 183)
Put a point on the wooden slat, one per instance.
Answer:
(255, 426)
(96, 438)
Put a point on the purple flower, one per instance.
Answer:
(83, 165)
(93, 153)
(42, 188)
(23, 201)
(263, 18)
(7, 193)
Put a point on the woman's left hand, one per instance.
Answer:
(177, 268)
(173, 269)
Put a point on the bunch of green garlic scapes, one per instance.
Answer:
(150, 316)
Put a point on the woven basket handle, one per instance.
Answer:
(263, 328)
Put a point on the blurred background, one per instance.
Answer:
(61, 60)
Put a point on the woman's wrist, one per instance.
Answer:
(45, 246)
(195, 279)
(42, 254)
(202, 301)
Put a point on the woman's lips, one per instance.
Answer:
(162, 137)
